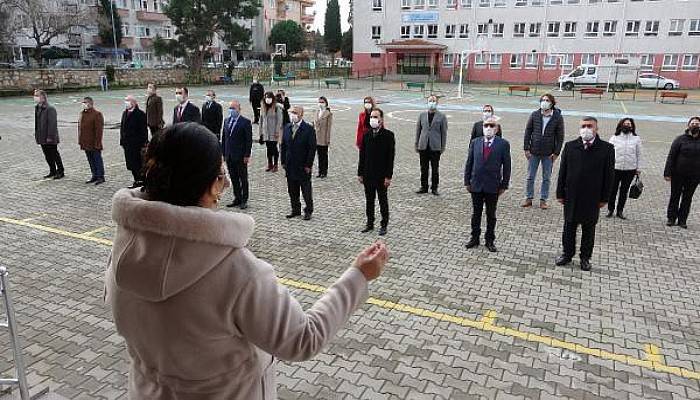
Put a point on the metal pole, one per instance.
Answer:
(114, 32)
(14, 336)
(461, 73)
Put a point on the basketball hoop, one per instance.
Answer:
(281, 49)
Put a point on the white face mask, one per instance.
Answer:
(486, 115)
(490, 132)
(321, 106)
(127, 105)
(586, 134)
(207, 99)
(294, 118)
(86, 106)
(432, 105)
(368, 106)
(545, 105)
(37, 99)
(255, 81)
(179, 98)
(268, 101)
(374, 123)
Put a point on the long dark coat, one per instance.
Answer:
(298, 153)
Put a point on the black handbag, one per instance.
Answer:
(636, 188)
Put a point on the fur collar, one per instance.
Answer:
(131, 210)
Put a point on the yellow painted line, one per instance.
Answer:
(622, 103)
(486, 323)
(94, 231)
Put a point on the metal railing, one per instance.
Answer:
(11, 324)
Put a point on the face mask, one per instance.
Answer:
(321, 106)
(207, 99)
(255, 81)
(37, 99)
(432, 105)
(86, 106)
(545, 105)
(268, 101)
(233, 113)
(486, 115)
(374, 123)
(695, 130)
(294, 118)
(149, 91)
(179, 98)
(127, 105)
(586, 134)
(626, 129)
(368, 106)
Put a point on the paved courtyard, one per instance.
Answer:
(443, 322)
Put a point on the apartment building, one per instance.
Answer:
(273, 12)
(525, 40)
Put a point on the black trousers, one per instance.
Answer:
(682, 190)
(53, 158)
(372, 191)
(134, 161)
(238, 170)
(273, 154)
(256, 110)
(478, 201)
(322, 152)
(623, 180)
(429, 158)
(587, 238)
(293, 188)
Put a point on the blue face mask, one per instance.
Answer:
(233, 113)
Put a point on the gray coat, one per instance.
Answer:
(271, 123)
(431, 136)
(45, 124)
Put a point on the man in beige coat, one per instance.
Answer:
(323, 122)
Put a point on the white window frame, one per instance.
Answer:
(519, 29)
(480, 60)
(466, 3)
(536, 32)
(433, 3)
(448, 59)
(405, 31)
(676, 28)
(406, 3)
(694, 27)
(609, 28)
(517, 61)
(418, 31)
(500, 3)
(482, 30)
(432, 27)
(376, 31)
(588, 58)
(646, 62)
(451, 4)
(654, 25)
(537, 3)
(498, 29)
(418, 3)
(450, 30)
(521, 3)
(553, 32)
(570, 29)
(377, 5)
(495, 60)
(592, 33)
(532, 60)
(692, 65)
(636, 27)
(669, 64)
(550, 62)
(484, 3)
(464, 31)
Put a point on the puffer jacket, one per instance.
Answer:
(684, 157)
(548, 142)
(628, 151)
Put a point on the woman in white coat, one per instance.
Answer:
(628, 162)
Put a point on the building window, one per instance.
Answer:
(450, 31)
(588, 59)
(694, 29)
(484, 3)
(451, 4)
(609, 28)
(555, 2)
(497, 30)
(464, 31)
(418, 3)
(466, 3)
(405, 31)
(632, 28)
(495, 61)
(550, 61)
(651, 28)
(418, 31)
(521, 3)
(535, 29)
(690, 62)
(613, 1)
(432, 31)
(126, 30)
(676, 27)
(670, 62)
(167, 32)
(553, 29)
(377, 5)
(570, 29)
(482, 30)
(375, 55)
(646, 62)
(448, 59)
(517, 60)
(532, 60)
(499, 3)
(519, 29)
(567, 61)
(376, 32)
(537, 3)
(573, 1)
(592, 29)
(479, 60)
(405, 3)
(432, 3)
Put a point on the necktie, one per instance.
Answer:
(587, 145)
(179, 113)
(295, 127)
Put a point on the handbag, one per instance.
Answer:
(261, 140)
(636, 188)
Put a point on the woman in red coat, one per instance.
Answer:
(363, 120)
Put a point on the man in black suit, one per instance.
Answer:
(298, 153)
(236, 143)
(376, 168)
(257, 92)
(486, 177)
(185, 111)
(133, 136)
(212, 114)
(585, 180)
(478, 127)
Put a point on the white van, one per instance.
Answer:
(609, 75)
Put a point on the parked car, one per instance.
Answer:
(214, 65)
(165, 65)
(649, 80)
(245, 64)
(13, 65)
(69, 63)
(131, 65)
(180, 66)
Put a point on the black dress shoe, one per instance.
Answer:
(491, 247)
(435, 192)
(50, 175)
(585, 265)
(59, 175)
(133, 185)
(307, 216)
(562, 260)
(243, 206)
(99, 181)
(421, 191)
(319, 176)
(235, 203)
(472, 243)
(610, 214)
(92, 180)
(619, 215)
(382, 231)
(293, 215)
(368, 228)
(683, 225)
(670, 222)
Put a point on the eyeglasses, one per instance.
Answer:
(489, 125)
(587, 126)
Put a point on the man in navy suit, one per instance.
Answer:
(298, 153)
(486, 176)
(236, 142)
(185, 111)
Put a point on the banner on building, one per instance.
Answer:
(419, 16)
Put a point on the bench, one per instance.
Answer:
(415, 85)
(519, 88)
(290, 76)
(333, 81)
(223, 80)
(592, 92)
(674, 95)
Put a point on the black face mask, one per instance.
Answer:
(626, 129)
(695, 130)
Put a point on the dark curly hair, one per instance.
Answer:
(618, 129)
(181, 164)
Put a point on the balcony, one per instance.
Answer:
(123, 12)
(307, 19)
(151, 16)
(146, 43)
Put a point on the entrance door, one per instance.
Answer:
(413, 64)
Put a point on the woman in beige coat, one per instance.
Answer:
(323, 122)
(203, 318)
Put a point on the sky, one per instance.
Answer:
(321, 14)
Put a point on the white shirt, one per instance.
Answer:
(628, 151)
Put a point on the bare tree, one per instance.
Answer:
(6, 37)
(46, 20)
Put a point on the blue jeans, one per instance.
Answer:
(97, 167)
(532, 165)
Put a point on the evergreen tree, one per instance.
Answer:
(104, 24)
(289, 33)
(333, 36)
